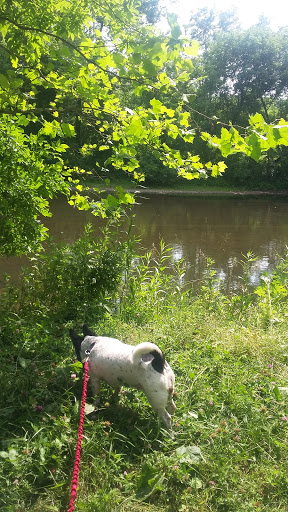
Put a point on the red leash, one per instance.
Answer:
(78, 447)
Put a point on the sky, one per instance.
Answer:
(248, 10)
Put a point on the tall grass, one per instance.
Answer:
(229, 355)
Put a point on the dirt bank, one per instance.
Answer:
(154, 191)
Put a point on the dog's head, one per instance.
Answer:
(77, 340)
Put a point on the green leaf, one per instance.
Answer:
(277, 393)
(189, 454)
(12, 454)
(4, 83)
(156, 106)
(68, 129)
(89, 408)
(24, 362)
(257, 120)
(255, 148)
(176, 32)
(172, 19)
(151, 480)
(225, 145)
(193, 49)
(149, 67)
(135, 127)
(137, 57)
(118, 58)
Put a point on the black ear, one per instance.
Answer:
(76, 340)
(87, 331)
(158, 361)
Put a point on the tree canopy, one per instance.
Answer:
(65, 68)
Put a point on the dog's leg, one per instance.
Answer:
(95, 385)
(171, 407)
(167, 420)
(158, 405)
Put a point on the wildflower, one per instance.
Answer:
(123, 392)
(73, 376)
(212, 483)
(284, 418)
(39, 408)
(136, 399)
(138, 314)
(211, 402)
(125, 473)
(16, 481)
(175, 467)
(237, 439)
(270, 365)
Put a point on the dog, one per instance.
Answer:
(142, 367)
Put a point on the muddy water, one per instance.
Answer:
(196, 228)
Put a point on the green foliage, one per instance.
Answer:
(84, 83)
(71, 280)
(273, 293)
(68, 64)
(160, 280)
(243, 73)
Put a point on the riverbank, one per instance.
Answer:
(229, 356)
(184, 188)
(218, 192)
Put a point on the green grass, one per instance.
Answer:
(230, 450)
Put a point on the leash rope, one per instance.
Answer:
(79, 441)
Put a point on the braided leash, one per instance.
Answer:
(80, 435)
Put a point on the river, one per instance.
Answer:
(196, 227)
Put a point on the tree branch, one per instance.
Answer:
(73, 47)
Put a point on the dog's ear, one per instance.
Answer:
(158, 361)
(76, 340)
(87, 331)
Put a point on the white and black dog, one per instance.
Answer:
(141, 367)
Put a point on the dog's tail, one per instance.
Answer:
(154, 354)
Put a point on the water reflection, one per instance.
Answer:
(196, 228)
(221, 229)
